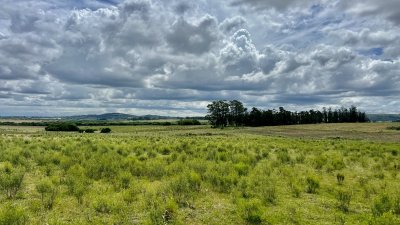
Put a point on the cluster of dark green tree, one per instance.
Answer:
(186, 122)
(223, 113)
(71, 127)
(62, 126)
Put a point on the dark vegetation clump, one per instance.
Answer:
(188, 122)
(223, 113)
(105, 130)
(62, 126)
(394, 128)
(89, 130)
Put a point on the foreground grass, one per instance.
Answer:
(311, 174)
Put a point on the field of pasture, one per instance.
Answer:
(300, 174)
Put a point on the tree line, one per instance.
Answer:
(224, 113)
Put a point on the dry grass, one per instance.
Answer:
(358, 131)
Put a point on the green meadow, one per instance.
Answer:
(300, 174)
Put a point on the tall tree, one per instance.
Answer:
(237, 113)
(218, 112)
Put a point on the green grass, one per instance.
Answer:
(308, 174)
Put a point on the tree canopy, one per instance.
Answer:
(62, 126)
(222, 113)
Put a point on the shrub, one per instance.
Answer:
(48, 193)
(336, 163)
(103, 205)
(268, 193)
(283, 156)
(393, 128)
(125, 180)
(242, 169)
(295, 188)
(222, 177)
(62, 126)
(396, 206)
(105, 130)
(91, 131)
(320, 161)
(161, 210)
(340, 178)
(131, 194)
(312, 185)
(381, 205)
(186, 122)
(170, 211)
(343, 199)
(12, 215)
(77, 182)
(385, 219)
(11, 180)
(185, 186)
(251, 211)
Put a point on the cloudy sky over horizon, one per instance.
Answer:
(174, 57)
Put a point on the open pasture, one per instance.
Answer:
(305, 174)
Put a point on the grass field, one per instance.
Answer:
(303, 174)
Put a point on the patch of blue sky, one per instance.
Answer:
(372, 52)
(92, 4)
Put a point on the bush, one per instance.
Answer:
(103, 205)
(251, 211)
(312, 185)
(396, 206)
(381, 205)
(77, 182)
(283, 156)
(11, 180)
(91, 131)
(12, 215)
(344, 199)
(186, 122)
(105, 130)
(393, 128)
(295, 188)
(48, 193)
(161, 210)
(131, 194)
(62, 126)
(340, 178)
(184, 187)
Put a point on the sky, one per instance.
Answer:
(174, 57)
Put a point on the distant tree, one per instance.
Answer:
(255, 117)
(62, 126)
(89, 130)
(234, 113)
(185, 122)
(237, 113)
(105, 130)
(218, 112)
(325, 115)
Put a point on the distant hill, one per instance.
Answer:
(384, 117)
(117, 116)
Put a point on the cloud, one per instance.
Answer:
(390, 9)
(233, 24)
(276, 4)
(239, 56)
(196, 38)
(174, 56)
